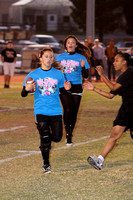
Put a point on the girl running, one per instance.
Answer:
(124, 88)
(48, 82)
(74, 65)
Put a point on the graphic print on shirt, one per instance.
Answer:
(69, 66)
(10, 54)
(47, 86)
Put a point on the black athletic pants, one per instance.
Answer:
(50, 129)
(70, 104)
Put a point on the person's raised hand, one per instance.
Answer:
(88, 85)
(100, 70)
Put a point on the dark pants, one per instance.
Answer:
(111, 69)
(50, 129)
(70, 104)
(96, 63)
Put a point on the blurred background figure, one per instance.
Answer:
(90, 45)
(111, 51)
(131, 53)
(98, 56)
(90, 41)
(35, 63)
(8, 58)
(89, 57)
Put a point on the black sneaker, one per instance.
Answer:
(6, 86)
(69, 141)
(46, 169)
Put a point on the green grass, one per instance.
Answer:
(72, 178)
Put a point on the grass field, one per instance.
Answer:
(72, 178)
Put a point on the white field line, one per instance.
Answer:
(14, 108)
(29, 153)
(12, 128)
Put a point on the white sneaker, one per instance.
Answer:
(46, 169)
(95, 162)
(69, 144)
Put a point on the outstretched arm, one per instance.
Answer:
(90, 86)
(112, 86)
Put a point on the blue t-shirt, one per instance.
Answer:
(46, 97)
(72, 66)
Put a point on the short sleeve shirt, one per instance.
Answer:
(71, 65)
(126, 91)
(9, 55)
(46, 97)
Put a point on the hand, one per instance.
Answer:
(100, 70)
(88, 86)
(30, 86)
(82, 63)
(67, 85)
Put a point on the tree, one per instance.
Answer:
(108, 15)
(79, 13)
(128, 14)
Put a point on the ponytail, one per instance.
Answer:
(126, 57)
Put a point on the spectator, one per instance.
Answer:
(131, 54)
(35, 62)
(90, 46)
(8, 58)
(89, 58)
(90, 42)
(111, 51)
(98, 56)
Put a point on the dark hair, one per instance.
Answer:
(54, 64)
(126, 57)
(45, 49)
(9, 42)
(81, 48)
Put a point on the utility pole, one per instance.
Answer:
(90, 18)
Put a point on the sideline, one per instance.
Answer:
(29, 153)
(12, 128)
(5, 108)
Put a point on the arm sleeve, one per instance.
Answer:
(24, 93)
(63, 91)
(85, 72)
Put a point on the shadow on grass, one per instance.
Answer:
(106, 165)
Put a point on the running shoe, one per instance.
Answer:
(95, 162)
(69, 140)
(69, 144)
(46, 169)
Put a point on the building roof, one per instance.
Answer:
(42, 3)
(21, 2)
